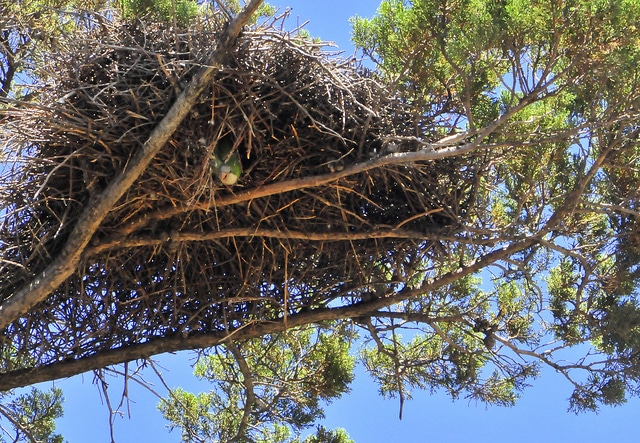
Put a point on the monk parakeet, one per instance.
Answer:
(226, 162)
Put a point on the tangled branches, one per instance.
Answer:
(181, 254)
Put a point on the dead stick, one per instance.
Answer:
(66, 262)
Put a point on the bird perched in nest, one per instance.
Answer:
(226, 162)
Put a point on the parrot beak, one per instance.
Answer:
(227, 177)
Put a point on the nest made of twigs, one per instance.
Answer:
(178, 254)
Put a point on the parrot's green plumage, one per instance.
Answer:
(226, 162)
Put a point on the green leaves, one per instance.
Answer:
(553, 85)
(32, 416)
(265, 390)
(328, 436)
(460, 365)
(457, 57)
(182, 11)
(548, 94)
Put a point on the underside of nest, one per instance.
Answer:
(181, 253)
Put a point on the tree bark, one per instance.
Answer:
(159, 345)
(66, 262)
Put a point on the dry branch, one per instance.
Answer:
(119, 241)
(87, 224)
(24, 377)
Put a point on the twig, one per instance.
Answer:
(66, 262)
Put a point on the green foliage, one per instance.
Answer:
(553, 86)
(234, 7)
(29, 30)
(163, 10)
(460, 56)
(329, 436)
(460, 365)
(265, 390)
(32, 416)
(448, 353)
(549, 92)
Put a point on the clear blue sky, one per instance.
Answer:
(539, 416)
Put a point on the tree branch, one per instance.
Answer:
(427, 154)
(8, 414)
(155, 240)
(179, 342)
(66, 262)
(430, 152)
(250, 396)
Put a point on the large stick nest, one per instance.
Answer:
(179, 254)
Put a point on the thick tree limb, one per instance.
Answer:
(249, 393)
(176, 343)
(66, 262)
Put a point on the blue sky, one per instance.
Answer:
(540, 415)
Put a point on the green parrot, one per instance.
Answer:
(226, 162)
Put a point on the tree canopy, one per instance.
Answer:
(467, 209)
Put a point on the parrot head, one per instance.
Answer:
(226, 162)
